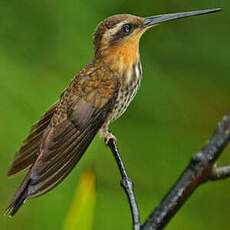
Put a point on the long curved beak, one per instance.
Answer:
(150, 21)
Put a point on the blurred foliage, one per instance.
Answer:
(81, 212)
(184, 93)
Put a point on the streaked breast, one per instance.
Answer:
(131, 83)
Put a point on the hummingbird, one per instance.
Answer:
(99, 94)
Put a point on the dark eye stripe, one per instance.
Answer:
(124, 30)
(127, 28)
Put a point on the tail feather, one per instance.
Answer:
(19, 198)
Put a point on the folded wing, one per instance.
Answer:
(66, 144)
(29, 150)
(65, 140)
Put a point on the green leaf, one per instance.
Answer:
(81, 212)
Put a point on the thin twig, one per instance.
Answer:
(199, 170)
(220, 173)
(127, 184)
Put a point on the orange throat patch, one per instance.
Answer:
(122, 57)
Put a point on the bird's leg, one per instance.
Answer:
(109, 135)
(104, 132)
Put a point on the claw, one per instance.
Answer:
(109, 135)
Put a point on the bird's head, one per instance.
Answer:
(116, 31)
(117, 37)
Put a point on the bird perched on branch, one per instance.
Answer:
(98, 94)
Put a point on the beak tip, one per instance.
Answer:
(216, 10)
(149, 21)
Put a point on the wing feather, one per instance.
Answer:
(61, 137)
(29, 150)
(67, 142)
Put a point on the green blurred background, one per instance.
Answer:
(184, 93)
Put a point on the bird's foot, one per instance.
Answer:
(109, 135)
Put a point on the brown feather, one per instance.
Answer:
(78, 117)
(29, 150)
(65, 148)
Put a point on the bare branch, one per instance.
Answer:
(127, 184)
(220, 173)
(199, 170)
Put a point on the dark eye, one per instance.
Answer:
(127, 28)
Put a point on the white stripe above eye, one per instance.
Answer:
(114, 30)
